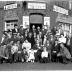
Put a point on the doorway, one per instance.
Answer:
(36, 20)
(36, 25)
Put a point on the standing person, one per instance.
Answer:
(9, 46)
(68, 43)
(45, 40)
(31, 56)
(15, 30)
(49, 47)
(4, 37)
(21, 30)
(33, 29)
(71, 45)
(38, 30)
(53, 30)
(52, 40)
(30, 39)
(43, 33)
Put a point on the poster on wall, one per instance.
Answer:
(47, 21)
(25, 21)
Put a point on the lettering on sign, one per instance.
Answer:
(60, 10)
(11, 6)
(36, 6)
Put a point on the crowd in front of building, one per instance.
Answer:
(35, 45)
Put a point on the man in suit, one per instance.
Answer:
(15, 30)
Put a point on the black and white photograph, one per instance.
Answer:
(35, 35)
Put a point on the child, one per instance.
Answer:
(24, 55)
(44, 56)
(31, 55)
(19, 50)
(14, 51)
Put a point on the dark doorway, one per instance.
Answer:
(37, 20)
(36, 25)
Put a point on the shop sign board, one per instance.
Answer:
(25, 21)
(36, 6)
(60, 10)
(47, 21)
(11, 6)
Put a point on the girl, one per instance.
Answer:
(31, 55)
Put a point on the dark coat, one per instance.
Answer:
(14, 31)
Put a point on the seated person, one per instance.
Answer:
(24, 55)
(38, 53)
(19, 50)
(14, 51)
(55, 50)
(26, 45)
(3, 54)
(44, 56)
(64, 54)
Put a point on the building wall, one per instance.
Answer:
(26, 12)
(1, 22)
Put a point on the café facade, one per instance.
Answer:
(29, 13)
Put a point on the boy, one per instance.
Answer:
(24, 55)
(14, 51)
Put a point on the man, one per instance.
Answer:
(33, 29)
(55, 50)
(21, 30)
(30, 39)
(15, 30)
(38, 30)
(43, 33)
(64, 54)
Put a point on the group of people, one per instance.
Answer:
(35, 45)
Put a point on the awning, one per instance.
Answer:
(64, 19)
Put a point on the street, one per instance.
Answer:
(34, 67)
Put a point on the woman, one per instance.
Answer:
(44, 56)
